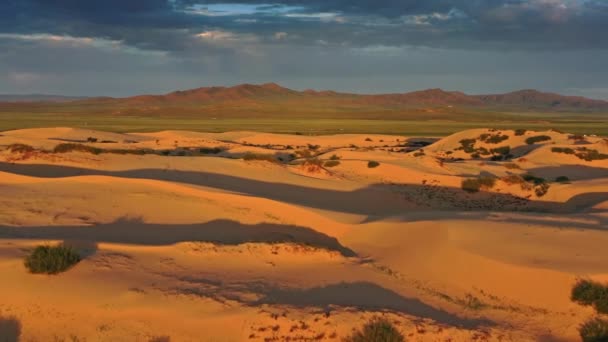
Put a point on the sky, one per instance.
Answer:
(129, 47)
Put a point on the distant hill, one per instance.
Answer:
(272, 92)
(271, 100)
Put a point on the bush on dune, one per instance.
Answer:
(20, 148)
(262, 157)
(595, 330)
(377, 330)
(331, 163)
(473, 185)
(51, 259)
(70, 147)
(537, 139)
(590, 293)
(373, 164)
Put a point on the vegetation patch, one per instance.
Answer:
(209, 150)
(590, 155)
(372, 164)
(20, 148)
(51, 259)
(377, 330)
(520, 131)
(71, 147)
(595, 330)
(331, 163)
(591, 293)
(473, 185)
(537, 139)
(565, 150)
(562, 179)
(249, 156)
(495, 139)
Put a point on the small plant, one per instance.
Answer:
(537, 139)
(377, 330)
(372, 164)
(334, 157)
(368, 139)
(587, 292)
(419, 153)
(595, 330)
(331, 163)
(20, 148)
(520, 132)
(91, 139)
(51, 259)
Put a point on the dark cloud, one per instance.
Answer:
(559, 42)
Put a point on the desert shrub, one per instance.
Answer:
(165, 152)
(51, 259)
(331, 163)
(587, 292)
(475, 156)
(467, 145)
(576, 137)
(139, 152)
(258, 156)
(512, 166)
(533, 179)
(91, 140)
(313, 147)
(377, 330)
(541, 189)
(70, 147)
(595, 330)
(590, 155)
(368, 139)
(334, 157)
(562, 179)
(419, 153)
(303, 154)
(537, 139)
(372, 164)
(513, 179)
(520, 132)
(501, 150)
(208, 150)
(475, 184)
(496, 139)
(565, 150)
(20, 148)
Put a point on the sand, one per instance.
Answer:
(193, 246)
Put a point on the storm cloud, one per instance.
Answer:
(396, 45)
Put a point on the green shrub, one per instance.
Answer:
(20, 148)
(587, 292)
(595, 330)
(537, 139)
(467, 145)
(503, 150)
(331, 163)
(520, 132)
(377, 330)
(70, 147)
(590, 155)
(51, 259)
(562, 179)
(372, 164)
(533, 179)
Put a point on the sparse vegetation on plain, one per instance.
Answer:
(373, 164)
(51, 259)
(520, 131)
(376, 330)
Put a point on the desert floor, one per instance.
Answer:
(248, 236)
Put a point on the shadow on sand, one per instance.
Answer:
(224, 232)
(10, 329)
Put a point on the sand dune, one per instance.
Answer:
(188, 240)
